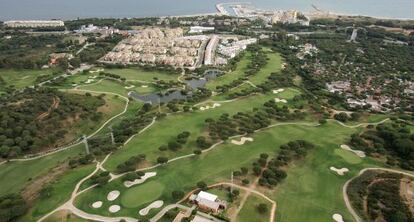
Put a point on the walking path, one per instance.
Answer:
(345, 188)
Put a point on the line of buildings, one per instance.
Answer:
(34, 23)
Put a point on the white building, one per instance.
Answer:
(200, 29)
(34, 23)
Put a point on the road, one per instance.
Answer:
(210, 50)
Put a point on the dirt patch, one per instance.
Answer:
(31, 191)
(407, 193)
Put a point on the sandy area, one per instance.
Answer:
(280, 100)
(337, 218)
(210, 107)
(97, 204)
(276, 91)
(98, 70)
(341, 171)
(242, 140)
(153, 205)
(144, 86)
(357, 152)
(114, 208)
(113, 195)
(129, 87)
(141, 180)
(89, 81)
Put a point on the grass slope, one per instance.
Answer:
(15, 175)
(21, 78)
(61, 191)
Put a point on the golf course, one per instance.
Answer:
(98, 190)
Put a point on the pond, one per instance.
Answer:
(194, 83)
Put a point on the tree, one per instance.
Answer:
(245, 181)
(202, 185)
(177, 194)
(162, 160)
(11, 207)
(197, 152)
(343, 117)
(262, 208)
(323, 121)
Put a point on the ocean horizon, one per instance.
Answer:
(73, 9)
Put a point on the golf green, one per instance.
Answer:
(348, 156)
(142, 194)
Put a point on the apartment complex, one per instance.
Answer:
(34, 23)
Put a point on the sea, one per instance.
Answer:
(73, 9)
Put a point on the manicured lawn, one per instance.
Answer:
(21, 78)
(15, 175)
(118, 87)
(142, 75)
(274, 64)
(348, 156)
(231, 76)
(216, 166)
(61, 191)
(149, 191)
(249, 212)
(166, 129)
(312, 192)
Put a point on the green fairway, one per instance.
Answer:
(348, 156)
(15, 175)
(123, 89)
(136, 73)
(170, 126)
(231, 76)
(21, 78)
(249, 212)
(180, 175)
(149, 191)
(274, 64)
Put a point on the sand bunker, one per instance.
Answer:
(141, 180)
(89, 81)
(210, 107)
(280, 100)
(129, 87)
(337, 218)
(276, 91)
(97, 204)
(144, 86)
(341, 171)
(114, 208)
(95, 71)
(242, 140)
(357, 152)
(153, 205)
(113, 195)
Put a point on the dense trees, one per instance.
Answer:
(31, 120)
(380, 193)
(394, 140)
(11, 207)
(101, 179)
(131, 164)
